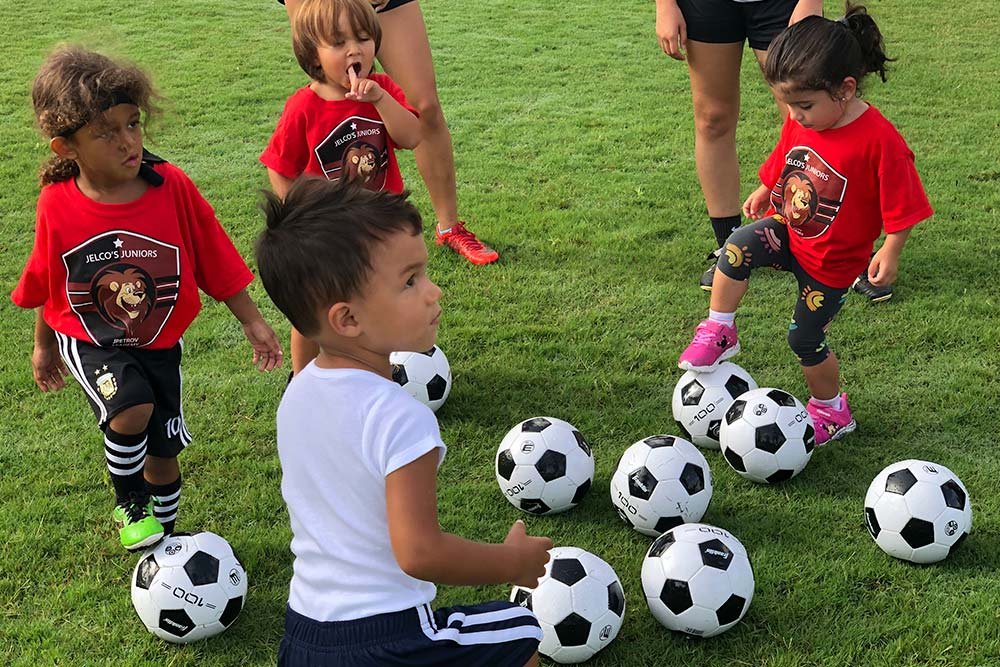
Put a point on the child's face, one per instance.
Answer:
(814, 109)
(108, 149)
(347, 51)
(398, 309)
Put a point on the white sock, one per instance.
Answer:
(442, 232)
(837, 403)
(726, 318)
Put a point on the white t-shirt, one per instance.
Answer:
(340, 433)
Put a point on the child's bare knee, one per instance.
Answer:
(134, 419)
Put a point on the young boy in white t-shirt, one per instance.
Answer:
(359, 456)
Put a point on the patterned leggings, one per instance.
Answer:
(765, 243)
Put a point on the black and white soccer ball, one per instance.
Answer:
(918, 511)
(661, 482)
(701, 399)
(425, 375)
(767, 436)
(544, 466)
(579, 603)
(188, 587)
(697, 579)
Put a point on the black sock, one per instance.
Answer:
(166, 500)
(126, 458)
(723, 227)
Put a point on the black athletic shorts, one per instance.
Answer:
(116, 378)
(392, 4)
(728, 21)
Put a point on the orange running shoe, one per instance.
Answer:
(465, 243)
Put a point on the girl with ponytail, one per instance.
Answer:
(840, 175)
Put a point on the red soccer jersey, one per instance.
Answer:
(128, 274)
(837, 189)
(333, 138)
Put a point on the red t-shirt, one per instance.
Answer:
(837, 189)
(128, 275)
(335, 137)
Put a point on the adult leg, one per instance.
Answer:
(715, 94)
(761, 55)
(405, 54)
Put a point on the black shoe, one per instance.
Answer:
(873, 293)
(709, 275)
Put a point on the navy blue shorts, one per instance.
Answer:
(486, 635)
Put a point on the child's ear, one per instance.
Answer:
(849, 88)
(341, 319)
(62, 147)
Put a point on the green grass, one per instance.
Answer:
(573, 137)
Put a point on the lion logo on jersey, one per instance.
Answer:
(360, 163)
(799, 197)
(123, 298)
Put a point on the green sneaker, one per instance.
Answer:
(139, 528)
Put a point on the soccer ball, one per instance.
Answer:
(697, 579)
(188, 587)
(661, 482)
(767, 436)
(701, 399)
(544, 466)
(425, 375)
(579, 603)
(918, 511)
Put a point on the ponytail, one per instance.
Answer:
(869, 37)
(818, 54)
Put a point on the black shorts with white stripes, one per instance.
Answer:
(492, 634)
(117, 378)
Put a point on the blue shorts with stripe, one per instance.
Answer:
(488, 635)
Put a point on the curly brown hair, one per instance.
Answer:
(74, 87)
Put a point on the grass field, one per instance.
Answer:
(574, 144)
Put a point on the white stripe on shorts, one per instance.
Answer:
(68, 350)
(502, 636)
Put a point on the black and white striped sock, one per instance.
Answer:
(126, 458)
(166, 500)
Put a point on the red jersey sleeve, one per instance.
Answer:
(219, 269)
(32, 289)
(389, 86)
(288, 150)
(770, 171)
(901, 194)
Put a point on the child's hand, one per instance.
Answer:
(267, 353)
(883, 268)
(48, 368)
(363, 90)
(757, 203)
(531, 555)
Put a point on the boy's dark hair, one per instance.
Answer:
(316, 249)
(314, 24)
(76, 86)
(818, 54)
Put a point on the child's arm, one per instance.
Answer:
(267, 353)
(279, 184)
(46, 364)
(885, 263)
(402, 126)
(425, 552)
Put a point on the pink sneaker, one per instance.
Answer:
(831, 424)
(713, 342)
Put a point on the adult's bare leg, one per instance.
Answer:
(405, 54)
